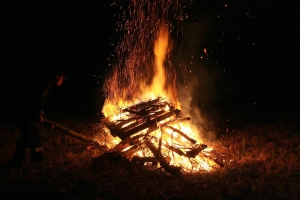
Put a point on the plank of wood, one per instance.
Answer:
(151, 123)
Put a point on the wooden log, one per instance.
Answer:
(136, 112)
(159, 143)
(127, 142)
(117, 129)
(120, 147)
(141, 105)
(71, 133)
(218, 158)
(116, 124)
(129, 152)
(154, 109)
(194, 152)
(176, 150)
(132, 139)
(132, 109)
(175, 171)
(182, 134)
(151, 123)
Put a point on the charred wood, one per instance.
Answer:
(142, 105)
(127, 142)
(218, 160)
(182, 134)
(159, 144)
(129, 153)
(152, 123)
(176, 171)
(176, 150)
(194, 152)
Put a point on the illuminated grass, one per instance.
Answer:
(267, 166)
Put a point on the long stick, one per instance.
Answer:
(70, 132)
(182, 134)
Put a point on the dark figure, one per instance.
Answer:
(30, 114)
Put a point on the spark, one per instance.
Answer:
(132, 64)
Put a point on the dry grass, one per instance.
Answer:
(267, 167)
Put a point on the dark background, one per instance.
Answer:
(252, 61)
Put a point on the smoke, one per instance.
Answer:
(195, 95)
(197, 78)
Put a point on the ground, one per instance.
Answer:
(267, 165)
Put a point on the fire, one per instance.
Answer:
(158, 87)
(174, 142)
(166, 137)
(160, 51)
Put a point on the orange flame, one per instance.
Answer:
(158, 87)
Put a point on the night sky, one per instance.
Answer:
(251, 60)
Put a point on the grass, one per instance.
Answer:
(267, 166)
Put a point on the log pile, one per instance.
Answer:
(150, 127)
(144, 126)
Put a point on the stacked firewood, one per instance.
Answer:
(150, 127)
(135, 127)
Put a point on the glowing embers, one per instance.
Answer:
(154, 131)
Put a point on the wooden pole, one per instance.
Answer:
(70, 132)
(182, 134)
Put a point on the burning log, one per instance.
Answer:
(153, 115)
(124, 132)
(216, 157)
(130, 152)
(126, 143)
(115, 126)
(176, 150)
(182, 134)
(142, 105)
(194, 152)
(159, 143)
(176, 171)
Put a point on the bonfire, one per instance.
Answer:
(143, 121)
